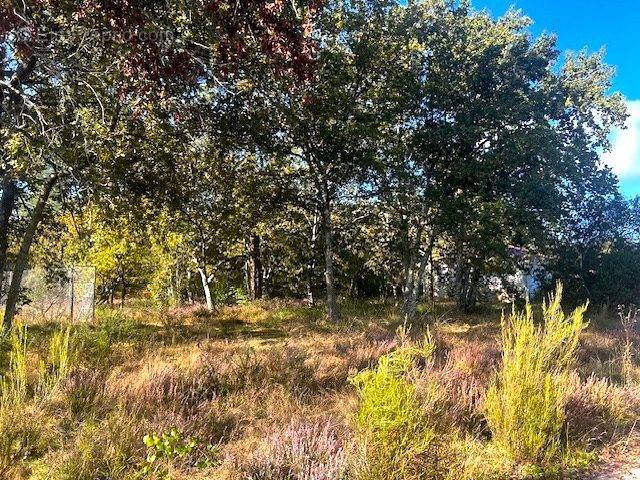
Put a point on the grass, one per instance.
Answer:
(270, 390)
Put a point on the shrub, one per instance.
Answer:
(525, 403)
(304, 451)
(94, 345)
(393, 428)
(117, 325)
(463, 380)
(473, 459)
(170, 447)
(597, 408)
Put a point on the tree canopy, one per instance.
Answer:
(251, 146)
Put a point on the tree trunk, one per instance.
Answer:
(468, 290)
(414, 283)
(254, 268)
(333, 315)
(472, 291)
(432, 279)
(408, 305)
(411, 274)
(206, 288)
(123, 291)
(332, 303)
(311, 263)
(462, 277)
(189, 294)
(7, 204)
(23, 254)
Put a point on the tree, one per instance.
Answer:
(491, 142)
(596, 252)
(330, 124)
(62, 59)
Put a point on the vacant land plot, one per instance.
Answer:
(272, 391)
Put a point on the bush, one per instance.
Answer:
(525, 403)
(393, 428)
(596, 409)
(304, 451)
(95, 342)
(171, 447)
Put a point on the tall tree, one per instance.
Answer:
(330, 123)
(62, 58)
(492, 141)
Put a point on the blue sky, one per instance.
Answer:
(593, 24)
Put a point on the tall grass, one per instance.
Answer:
(392, 426)
(629, 319)
(16, 432)
(56, 367)
(22, 418)
(14, 383)
(525, 403)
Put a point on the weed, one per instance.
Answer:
(55, 369)
(169, 447)
(106, 449)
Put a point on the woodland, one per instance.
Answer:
(310, 222)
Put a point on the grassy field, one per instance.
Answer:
(269, 390)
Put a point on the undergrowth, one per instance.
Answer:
(268, 392)
(525, 404)
(393, 428)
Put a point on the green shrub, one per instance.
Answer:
(94, 345)
(96, 341)
(117, 325)
(171, 447)
(525, 402)
(393, 429)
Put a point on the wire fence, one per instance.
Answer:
(56, 295)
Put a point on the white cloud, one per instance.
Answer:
(624, 157)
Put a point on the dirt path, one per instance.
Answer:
(619, 473)
(625, 465)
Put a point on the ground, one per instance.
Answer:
(236, 393)
(623, 463)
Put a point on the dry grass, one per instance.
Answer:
(262, 391)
